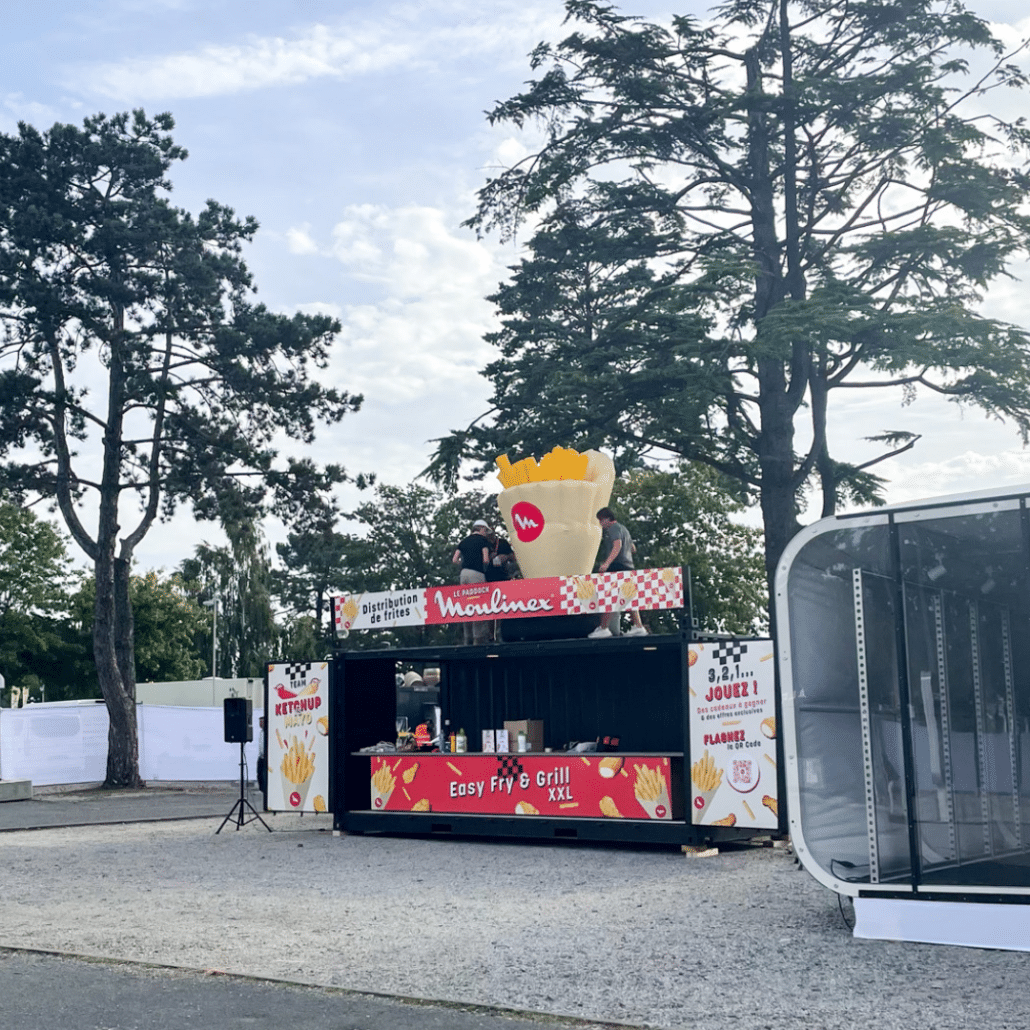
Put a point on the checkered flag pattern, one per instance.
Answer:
(297, 671)
(509, 765)
(644, 589)
(729, 652)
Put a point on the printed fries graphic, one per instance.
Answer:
(649, 784)
(323, 725)
(585, 589)
(668, 575)
(550, 510)
(383, 782)
(525, 808)
(609, 808)
(769, 727)
(704, 774)
(422, 805)
(350, 609)
(409, 774)
(296, 768)
(652, 791)
(726, 820)
(770, 803)
(609, 767)
(628, 589)
(297, 764)
(319, 803)
(706, 779)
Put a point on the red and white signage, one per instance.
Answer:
(297, 724)
(733, 734)
(596, 786)
(595, 593)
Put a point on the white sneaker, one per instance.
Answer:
(636, 631)
(597, 634)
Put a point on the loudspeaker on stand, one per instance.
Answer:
(239, 720)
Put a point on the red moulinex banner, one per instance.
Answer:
(511, 599)
(598, 786)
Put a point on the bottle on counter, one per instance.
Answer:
(461, 741)
(447, 737)
(521, 741)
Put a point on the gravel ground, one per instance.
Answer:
(643, 936)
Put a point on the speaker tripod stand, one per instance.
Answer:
(238, 812)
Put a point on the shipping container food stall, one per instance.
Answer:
(663, 739)
(905, 674)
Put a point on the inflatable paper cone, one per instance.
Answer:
(552, 525)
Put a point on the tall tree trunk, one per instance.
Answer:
(113, 624)
(112, 642)
(778, 397)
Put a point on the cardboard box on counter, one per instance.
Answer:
(534, 730)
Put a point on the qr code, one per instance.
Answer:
(742, 770)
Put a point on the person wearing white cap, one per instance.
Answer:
(473, 555)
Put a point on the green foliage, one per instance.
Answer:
(685, 517)
(312, 564)
(166, 621)
(38, 646)
(240, 577)
(407, 537)
(34, 564)
(731, 220)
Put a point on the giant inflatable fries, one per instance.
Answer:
(550, 508)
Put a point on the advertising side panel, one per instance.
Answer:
(733, 734)
(297, 724)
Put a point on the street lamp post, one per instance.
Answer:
(213, 605)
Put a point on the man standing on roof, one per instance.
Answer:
(502, 559)
(617, 548)
(473, 555)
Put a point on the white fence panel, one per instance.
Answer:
(60, 743)
(189, 744)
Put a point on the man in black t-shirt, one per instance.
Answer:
(502, 561)
(473, 555)
(502, 558)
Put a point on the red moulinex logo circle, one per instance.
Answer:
(528, 521)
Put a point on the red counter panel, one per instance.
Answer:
(593, 786)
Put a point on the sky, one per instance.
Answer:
(354, 132)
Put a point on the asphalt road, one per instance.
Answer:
(49, 992)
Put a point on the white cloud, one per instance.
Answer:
(413, 343)
(423, 335)
(299, 241)
(400, 36)
(212, 70)
(16, 109)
